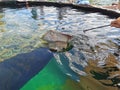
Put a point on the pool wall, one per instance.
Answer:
(87, 8)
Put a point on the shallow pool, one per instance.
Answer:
(93, 62)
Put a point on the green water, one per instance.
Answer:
(50, 78)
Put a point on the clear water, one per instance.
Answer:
(94, 51)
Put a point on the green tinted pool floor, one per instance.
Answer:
(51, 78)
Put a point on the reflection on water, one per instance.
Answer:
(95, 57)
(34, 13)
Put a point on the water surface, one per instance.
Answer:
(94, 59)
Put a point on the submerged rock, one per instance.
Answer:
(53, 36)
(58, 41)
